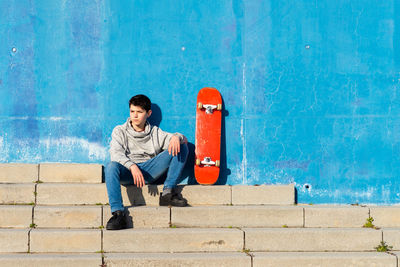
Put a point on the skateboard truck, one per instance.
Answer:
(207, 162)
(209, 108)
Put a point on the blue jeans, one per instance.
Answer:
(117, 174)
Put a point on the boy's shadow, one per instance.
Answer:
(156, 115)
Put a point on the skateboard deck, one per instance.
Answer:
(208, 136)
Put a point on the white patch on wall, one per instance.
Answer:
(55, 118)
(95, 151)
(25, 118)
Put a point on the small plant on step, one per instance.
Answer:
(369, 223)
(383, 247)
(32, 225)
(285, 226)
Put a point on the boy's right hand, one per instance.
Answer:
(137, 175)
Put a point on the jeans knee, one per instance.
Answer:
(112, 166)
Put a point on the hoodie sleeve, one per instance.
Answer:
(165, 137)
(117, 148)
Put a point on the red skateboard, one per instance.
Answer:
(208, 136)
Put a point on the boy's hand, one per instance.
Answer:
(175, 145)
(137, 175)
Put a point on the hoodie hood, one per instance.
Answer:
(132, 133)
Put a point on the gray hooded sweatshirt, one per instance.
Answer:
(128, 147)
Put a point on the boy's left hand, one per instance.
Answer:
(175, 145)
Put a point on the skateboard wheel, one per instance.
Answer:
(198, 162)
(200, 105)
(219, 107)
(217, 163)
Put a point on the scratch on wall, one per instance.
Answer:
(243, 126)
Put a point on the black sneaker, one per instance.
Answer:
(117, 221)
(173, 199)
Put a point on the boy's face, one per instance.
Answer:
(138, 117)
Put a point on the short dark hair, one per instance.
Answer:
(140, 101)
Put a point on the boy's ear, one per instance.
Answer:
(149, 113)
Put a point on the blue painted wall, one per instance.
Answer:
(311, 87)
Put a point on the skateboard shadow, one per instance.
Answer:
(224, 171)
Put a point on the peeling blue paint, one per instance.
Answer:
(310, 88)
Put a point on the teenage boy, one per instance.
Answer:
(142, 152)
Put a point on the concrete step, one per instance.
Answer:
(281, 259)
(335, 216)
(143, 217)
(18, 173)
(173, 240)
(68, 216)
(262, 216)
(392, 237)
(14, 240)
(176, 240)
(71, 194)
(70, 173)
(15, 216)
(51, 172)
(51, 260)
(263, 194)
(385, 216)
(328, 259)
(238, 216)
(78, 194)
(17, 193)
(221, 259)
(65, 240)
(312, 239)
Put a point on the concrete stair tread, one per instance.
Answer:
(312, 239)
(22, 193)
(196, 240)
(68, 216)
(173, 240)
(202, 259)
(238, 216)
(338, 259)
(217, 259)
(14, 240)
(78, 194)
(70, 173)
(51, 172)
(18, 173)
(50, 260)
(225, 216)
(15, 216)
(65, 240)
